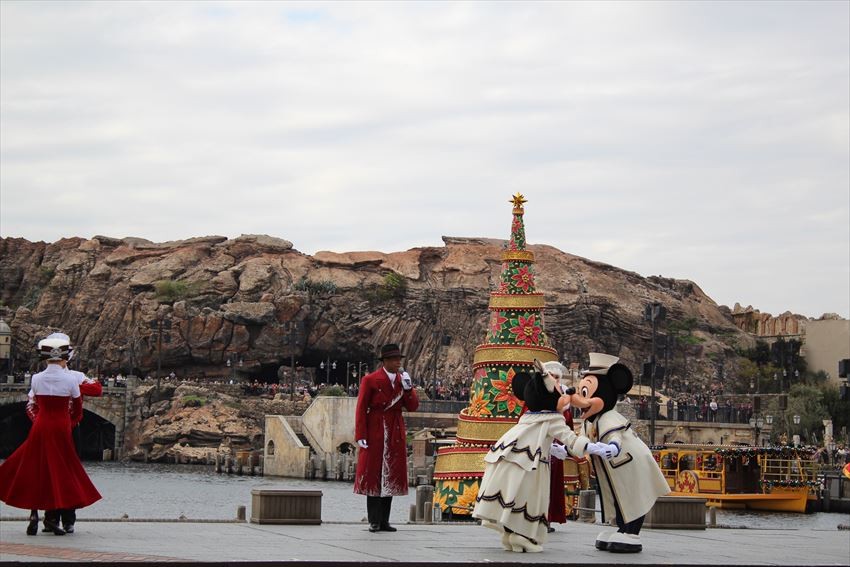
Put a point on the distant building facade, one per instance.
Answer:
(825, 343)
(825, 340)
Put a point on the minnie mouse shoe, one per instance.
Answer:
(521, 544)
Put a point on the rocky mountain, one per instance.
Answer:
(258, 298)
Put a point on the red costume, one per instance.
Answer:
(557, 506)
(382, 468)
(45, 471)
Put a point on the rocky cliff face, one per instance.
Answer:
(188, 423)
(241, 296)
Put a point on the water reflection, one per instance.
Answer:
(197, 492)
(145, 491)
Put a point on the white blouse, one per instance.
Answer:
(54, 381)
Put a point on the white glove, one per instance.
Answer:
(406, 381)
(604, 450)
(558, 451)
(362, 444)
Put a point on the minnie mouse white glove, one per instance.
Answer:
(558, 451)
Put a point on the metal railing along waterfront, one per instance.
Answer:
(441, 406)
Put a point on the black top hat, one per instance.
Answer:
(390, 351)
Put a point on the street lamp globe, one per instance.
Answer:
(753, 422)
(760, 422)
(796, 420)
(769, 419)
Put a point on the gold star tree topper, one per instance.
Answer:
(518, 200)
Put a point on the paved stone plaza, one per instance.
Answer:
(413, 544)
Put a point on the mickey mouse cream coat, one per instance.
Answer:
(632, 478)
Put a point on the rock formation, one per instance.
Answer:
(239, 296)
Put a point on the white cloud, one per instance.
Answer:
(699, 140)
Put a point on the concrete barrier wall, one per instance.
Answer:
(284, 454)
(329, 422)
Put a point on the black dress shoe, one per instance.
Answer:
(32, 527)
(53, 527)
(550, 529)
(69, 528)
(374, 528)
(387, 528)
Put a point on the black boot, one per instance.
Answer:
(32, 527)
(51, 523)
(386, 503)
(69, 518)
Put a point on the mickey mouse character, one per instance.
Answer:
(513, 497)
(629, 478)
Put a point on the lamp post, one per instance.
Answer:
(294, 334)
(233, 360)
(796, 436)
(327, 368)
(768, 419)
(653, 313)
(353, 375)
(360, 366)
(756, 422)
(162, 328)
(5, 347)
(121, 368)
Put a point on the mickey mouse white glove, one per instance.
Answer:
(558, 451)
(604, 450)
(362, 444)
(406, 381)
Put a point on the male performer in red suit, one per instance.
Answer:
(381, 437)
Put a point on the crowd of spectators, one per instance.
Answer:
(698, 407)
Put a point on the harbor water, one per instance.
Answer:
(155, 491)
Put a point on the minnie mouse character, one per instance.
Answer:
(628, 477)
(513, 497)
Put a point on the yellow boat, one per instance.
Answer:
(779, 479)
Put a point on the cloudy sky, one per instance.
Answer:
(707, 141)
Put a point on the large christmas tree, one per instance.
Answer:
(515, 337)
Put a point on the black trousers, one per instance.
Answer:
(632, 527)
(378, 509)
(62, 517)
(68, 516)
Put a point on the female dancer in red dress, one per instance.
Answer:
(45, 473)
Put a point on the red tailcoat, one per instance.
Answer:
(557, 506)
(382, 468)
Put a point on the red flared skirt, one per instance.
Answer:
(45, 473)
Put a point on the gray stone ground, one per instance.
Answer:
(445, 543)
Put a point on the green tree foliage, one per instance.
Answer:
(193, 401)
(393, 288)
(169, 291)
(336, 391)
(684, 331)
(324, 287)
(813, 403)
(837, 409)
